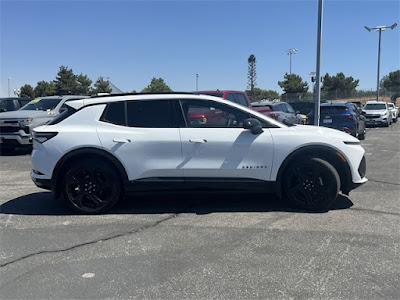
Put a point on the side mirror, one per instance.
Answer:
(254, 125)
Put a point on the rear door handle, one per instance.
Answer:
(121, 140)
(201, 141)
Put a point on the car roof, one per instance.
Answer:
(374, 102)
(218, 91)
(337, 104)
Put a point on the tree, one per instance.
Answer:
(338, 86)
(157, 85)
(391, 81)
(293, 87)
(251, 76)
(27, 91)
(260, 94)
(83, 85)
(44, 88)
(102, 86)
(65, 82)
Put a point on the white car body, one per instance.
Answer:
(394, 111)
(183, 153)
(377, 112)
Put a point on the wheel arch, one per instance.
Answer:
(333, 156)
(83, 153)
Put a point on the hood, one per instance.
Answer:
(321, 133)
(375, 111)
(18, 114)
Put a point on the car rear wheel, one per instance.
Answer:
(91, 187)
(311, 184)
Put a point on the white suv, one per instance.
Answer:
(91, 155)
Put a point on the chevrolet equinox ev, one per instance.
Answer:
(93, 154)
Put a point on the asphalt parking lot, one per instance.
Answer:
(205, 246)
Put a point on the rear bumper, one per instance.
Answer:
(41, 182)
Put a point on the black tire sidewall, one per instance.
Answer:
(334, 181)
(108, 169)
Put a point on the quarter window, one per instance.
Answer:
(115, 113)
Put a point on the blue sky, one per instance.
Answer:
(132, 41)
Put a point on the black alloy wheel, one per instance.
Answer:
(311, 184)
(91, 187)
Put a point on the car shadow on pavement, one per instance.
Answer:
(44, 204)
(15, 152)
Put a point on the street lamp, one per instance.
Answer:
(290, 52)
(380, 29)
(9, 79)
(197, 82)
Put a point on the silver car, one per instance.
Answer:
(394, 111)
(281, 111)
(16, 126)
(377, 113)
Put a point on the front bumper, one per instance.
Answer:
(18, 138)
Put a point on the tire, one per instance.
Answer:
(361, 135)
(91, 186)
(311, 184)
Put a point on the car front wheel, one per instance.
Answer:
(311, 184)
(91, 187)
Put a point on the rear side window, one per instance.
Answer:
(150, 113)
(115, 113)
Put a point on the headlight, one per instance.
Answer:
(25, 122)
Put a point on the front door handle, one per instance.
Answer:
(201, 141)
(121, 140)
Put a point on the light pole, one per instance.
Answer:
(290, 52)
(197, 82)
(380, 29)
(9, 79)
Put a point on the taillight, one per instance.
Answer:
(274, 115)
(42, 137)
(349, 117)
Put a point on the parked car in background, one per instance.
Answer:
(377, 113)
(343, 116)
(358, 104)
(14, 103)
(394, 111)
(238, 97)
(281, 111)
(16, 126)
(112, 146)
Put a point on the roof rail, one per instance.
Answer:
(133, 94)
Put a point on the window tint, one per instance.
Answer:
(150, 113)
(241, 99)
(230, 97)
(212, 114)
(42, 104)
(333, 109)
(289, 109)
(115, 113)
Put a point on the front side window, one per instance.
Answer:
(211, 114)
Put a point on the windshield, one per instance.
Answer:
(333, 109)
(374, 106)
(42, 104)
